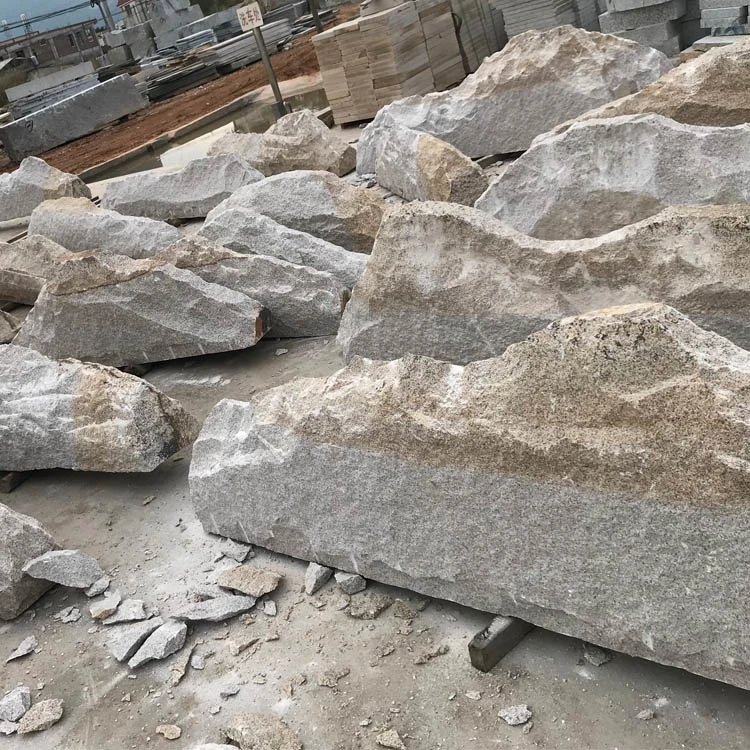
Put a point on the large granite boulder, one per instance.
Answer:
(592, 480)
(34, 182)
(318, 203)
(452, 283)
(418, 166)
(300, 300)
(73, 415)
(22, 538)
(600, 175)
(117, 311)
(187, 192)
(26, 265)
(242, 229)
(79, 225)
(539, 80)
(297, 141)
(8, 327)
(710, 89)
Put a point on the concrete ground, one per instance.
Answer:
(158, 552)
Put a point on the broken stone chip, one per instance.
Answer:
(26, 647)
(252, 730)
(250, 581)
(390, 739)
(15, 704)
(316, 576)
(163, 642)
(515, 715)
(124, 640)
(216, 610)
(67, 567)
(41, 716)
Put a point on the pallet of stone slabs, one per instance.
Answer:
(183, 79)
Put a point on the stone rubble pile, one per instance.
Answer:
(32, 183)
(452, 283)
(297, 141)
(540, 79)
(188, 192)
(600, 175)
(589, 441)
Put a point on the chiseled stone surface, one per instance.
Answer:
(26, 265)
(79, 225)
(187, 192)
(297, 141)
(418, 166)
(118, 311)
(34, 182)
(588, 440)
(241, 229)
(539, 80)
(318, 203)
(87, 417)
(600, 175)
(452, 283)
(23, 538)
(300, 300)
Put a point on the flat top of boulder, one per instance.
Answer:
(619, 398)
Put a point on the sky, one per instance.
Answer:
(10, 10)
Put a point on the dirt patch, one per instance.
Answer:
(297, 60)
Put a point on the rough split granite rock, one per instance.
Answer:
(9, 327)
(26, 265)
(600, 175)
(23, 538)
(711, 89)
(72, 415)
(539, 80)
(581, 454)
(316, 576)
(300, 300)
(297, 141)
(67, 567)
(318, 203)
(15, 704)
(241, 229)
(79, 225)
(248, 580)
(118, 311)
(216, 610)
(34, 182)
(418, 166)
(41, 716)
(187, 192)
(166, 640)
(453, 283)
(124, 640)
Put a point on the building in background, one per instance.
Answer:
(134, 12)
(64, 46)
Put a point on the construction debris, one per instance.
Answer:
(41, 716)
(297, 141)
(613, 172)
(166, 640)
(84, 417)
(66, 567)
(23, 537)
(124, 640)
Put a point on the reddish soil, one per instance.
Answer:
(297, 60)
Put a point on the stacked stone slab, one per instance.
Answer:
(572, 476)
(71, 118)
(655, 23)
(72, 415)
(538, 81)
(449, 282)
(722, 17)
(167, 17)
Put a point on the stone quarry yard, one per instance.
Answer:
(156, 550)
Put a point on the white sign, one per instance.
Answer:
(250, 16)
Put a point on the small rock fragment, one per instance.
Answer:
(26, 646)
(316, 577)
(369, 606)
(350, 583)
(68, 567)
(131, 610)
(164, 641)
(216, 610)
(69, 614)
(169, 731)
(295, 681)
(646, 715)
(235, 550)
(515, 715)
(473, 695)
(402, 610)
(250, 581)
(41, 716)
(198, 662)
(229, 691)
(125, 640)
(261, 732)
(269, 607)
(180, 665)
(98, 587)
(238, 645)
(214, 710)
(15, 704)
(390, 739)
(330, 677)
(106, 607)
(595, 655)
(430, 655)
(8, 727)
